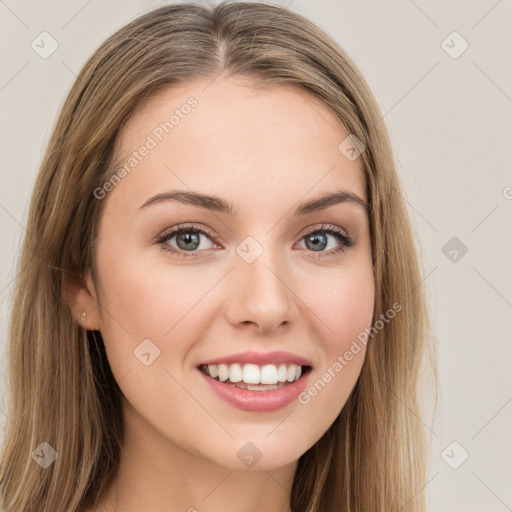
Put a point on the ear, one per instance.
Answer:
(82, 297)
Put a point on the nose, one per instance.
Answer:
(260, 295)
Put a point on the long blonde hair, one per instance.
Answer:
(61, 389)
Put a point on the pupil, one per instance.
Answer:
(188, 238)
(315, 240)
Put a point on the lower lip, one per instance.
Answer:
(257, 401)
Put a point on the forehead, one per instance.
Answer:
(230, 137)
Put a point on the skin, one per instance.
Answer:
(264, 151)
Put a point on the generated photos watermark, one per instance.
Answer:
(343, 360)
(156, 136)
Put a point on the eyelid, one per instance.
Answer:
(186, 226)
(323, 227)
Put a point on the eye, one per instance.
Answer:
(317, 240)
(188, 239)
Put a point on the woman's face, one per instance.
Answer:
(259, 277)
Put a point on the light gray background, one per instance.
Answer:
(449, 120)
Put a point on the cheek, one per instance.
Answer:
(141, 301)
(344, 304)
(355, 304)
(145, 298)
(343, 309)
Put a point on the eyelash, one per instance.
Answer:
(345, 241)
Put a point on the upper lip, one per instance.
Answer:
(260, 358)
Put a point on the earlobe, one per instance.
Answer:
(82, 300)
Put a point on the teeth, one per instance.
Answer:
(223, 372)
(235, 373)
(281, 373)
(254, 374)
(290, 376)
(214, 371)
(269, 374)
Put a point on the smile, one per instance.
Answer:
(255, 396)
(255, 377)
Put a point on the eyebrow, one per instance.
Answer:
(219, 205)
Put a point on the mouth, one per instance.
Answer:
(255, 377)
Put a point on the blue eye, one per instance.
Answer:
(188, 240)
(318, 239)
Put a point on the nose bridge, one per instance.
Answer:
(259, 292)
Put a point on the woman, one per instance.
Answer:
(219, 303)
